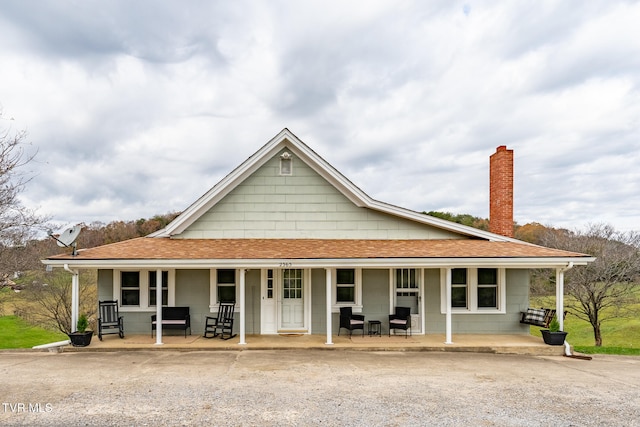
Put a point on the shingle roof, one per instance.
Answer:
(146, 248)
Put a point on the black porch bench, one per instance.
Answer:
(541, 317)
(173, 318)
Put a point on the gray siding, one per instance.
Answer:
(318, 302)
(305, 205)
(105, 285)
(192, 290)
(252, 301)
(375, 296)
(517, 294)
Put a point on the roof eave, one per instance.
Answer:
(508, 262)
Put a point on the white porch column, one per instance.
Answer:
(75, 298)
(329, 302)
(243, 311)
(560, 296)
(448, 312)
(159, 307)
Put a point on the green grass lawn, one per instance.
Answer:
(619, 335)
(16, 333)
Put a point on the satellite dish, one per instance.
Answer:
(68, 237)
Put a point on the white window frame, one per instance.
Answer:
(460, 285)
(357, 292)
(121, 288)
(213, 289)
(487, 286)
(472, 293)
(144, 290)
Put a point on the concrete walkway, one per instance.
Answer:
(499, 344)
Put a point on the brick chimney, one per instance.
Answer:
(501, 192)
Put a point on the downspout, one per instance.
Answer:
(75, 298)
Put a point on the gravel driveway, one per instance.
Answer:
(316, 387)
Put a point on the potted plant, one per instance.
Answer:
(553, 335)
(82, 337)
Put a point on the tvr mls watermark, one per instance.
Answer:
(20, 407)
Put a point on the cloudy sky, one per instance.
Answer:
(138, 108)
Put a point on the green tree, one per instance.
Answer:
(464, 219)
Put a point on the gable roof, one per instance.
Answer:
(286, 139)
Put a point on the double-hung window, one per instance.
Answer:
(130, 288)
(487, 288)
(136, 290)
(226, 285)
(347, 288)
(459, 288)
(475, 290)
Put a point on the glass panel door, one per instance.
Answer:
(292, 299)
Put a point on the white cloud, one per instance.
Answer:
(139, 109)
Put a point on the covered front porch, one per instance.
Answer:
(475, 343)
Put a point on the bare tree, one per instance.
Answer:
(18, 224)
(606, 288)
(51, 294)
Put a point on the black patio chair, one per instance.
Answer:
(350, 321)
(222, 324)
(401, 319)
(110, 321)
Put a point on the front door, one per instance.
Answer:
(284, 302)
(292, 299)
(408, 293)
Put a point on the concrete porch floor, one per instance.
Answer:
(499, 344)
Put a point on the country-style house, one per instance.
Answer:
(290, 240)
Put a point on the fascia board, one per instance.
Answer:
(324, 263)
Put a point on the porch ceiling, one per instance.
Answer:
(146, 248)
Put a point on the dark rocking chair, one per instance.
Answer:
(109, 322)
(222, 324)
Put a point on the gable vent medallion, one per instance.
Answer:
(286, 160)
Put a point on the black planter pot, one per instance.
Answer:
(80, 339)
(553, 338)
